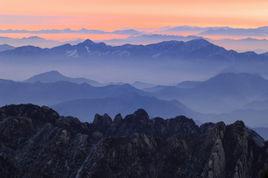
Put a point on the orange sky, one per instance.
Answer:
(115, 14)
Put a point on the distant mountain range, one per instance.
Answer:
(142, 85)
(239, 39)
(227, 96)
(241, 44)
(85, 109)
(55, 76)
(231, 92)
(61, 92)
(149, 39)
(244, 44)
(222, 93)
(5, 47)
(52, 93)
(71, 31)
(190, 50)
(220, 31)
(195, 30)
(253, 117)
(32, 41)
(259, 31)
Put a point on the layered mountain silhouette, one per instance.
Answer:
(5, 47)
(92, 134)
(194, 49)
(253, 117)
(227, 96)
(259, 31)
(142, 85)
(52, 93)
(149, 39)
(85, 109)
(72, 31)
(245, 44)
(241, 45)
(31, 40)
(62, 93)
(37, 142)
(221, 93)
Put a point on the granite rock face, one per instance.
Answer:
(37, 142)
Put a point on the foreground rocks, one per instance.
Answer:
(37, 142)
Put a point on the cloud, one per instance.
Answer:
(109, 15)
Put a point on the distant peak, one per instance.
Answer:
(6, 45)
(170, 43)
(55, 72)
(127, 31)
(50, 74)
(199, 41)
(87, 42)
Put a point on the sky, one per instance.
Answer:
(117, 14)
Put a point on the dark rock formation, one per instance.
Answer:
(37, 142)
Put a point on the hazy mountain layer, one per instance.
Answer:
(55, 76)
(5, 47)
(52, 93)
(85, 109)
(221, 93)
(193, 49)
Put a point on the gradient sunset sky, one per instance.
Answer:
(116, 14)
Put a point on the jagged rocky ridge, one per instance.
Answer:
(37, 142)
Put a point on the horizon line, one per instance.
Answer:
(130, 28)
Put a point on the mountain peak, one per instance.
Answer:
(127, 32)
(87, 42)
(141, 113)
(104, 120)
(56, 76)
(157, 147)
(194, 49)
(5, 47)
(53, 73)
(50, 76)
(171, 42)
(200, 42)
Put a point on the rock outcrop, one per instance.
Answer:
(37, 142)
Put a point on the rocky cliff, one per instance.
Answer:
(37, 142)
